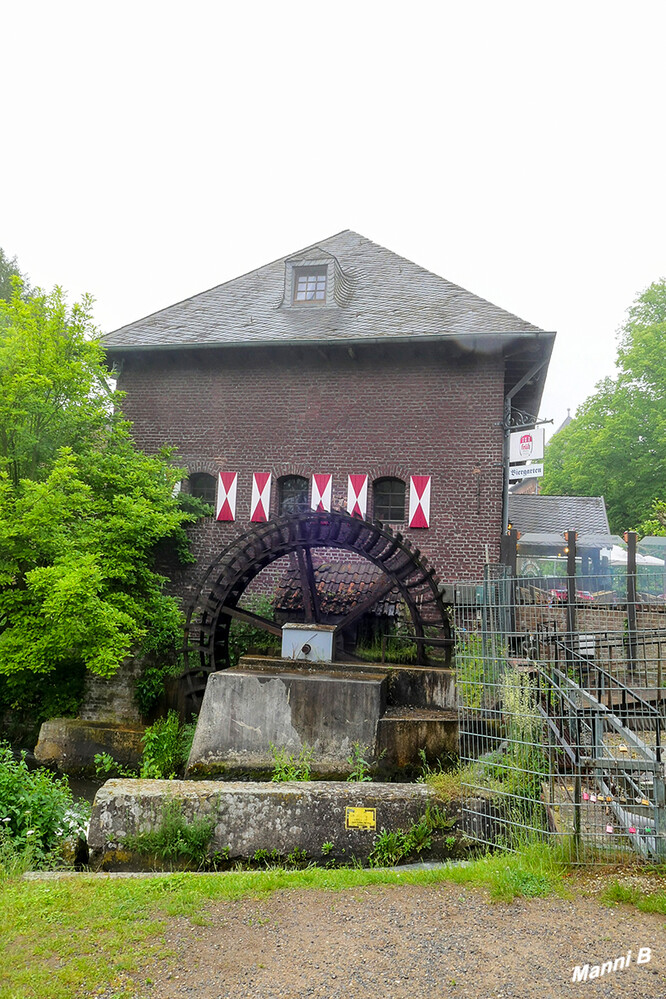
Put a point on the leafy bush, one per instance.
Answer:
(37, 812)
(166, 747)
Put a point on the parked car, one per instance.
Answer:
(559, 595)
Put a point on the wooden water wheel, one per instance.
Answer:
(403, 568)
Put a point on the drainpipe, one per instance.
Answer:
(506, 423)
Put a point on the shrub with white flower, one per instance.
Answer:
(38, 808)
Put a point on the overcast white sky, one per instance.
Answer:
(151, 150)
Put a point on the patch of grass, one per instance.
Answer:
(176, 840)
(445, 777)
(616, 893)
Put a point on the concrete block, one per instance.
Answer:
(403, 732)
(245, 710)
(417, 686)
(70, 744)
(253, 816)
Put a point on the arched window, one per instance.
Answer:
(202, 485)
(388, 499)
(293, 494)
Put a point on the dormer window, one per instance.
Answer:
(310, 284)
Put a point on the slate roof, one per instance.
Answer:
(555, 514)
(379, 296)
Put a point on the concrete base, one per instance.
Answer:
(417, 686)
(252, 817)
(70, 744)
(404, 732)
(246, 710)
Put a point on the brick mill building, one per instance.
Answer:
(342, 377)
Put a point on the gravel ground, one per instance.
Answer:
(407, 942)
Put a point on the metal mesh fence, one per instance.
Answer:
(561, 715)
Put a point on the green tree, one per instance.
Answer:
(616, 445)
(82, 512)
(9, 269)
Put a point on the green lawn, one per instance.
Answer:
(85, 935)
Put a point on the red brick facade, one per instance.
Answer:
(395, 410)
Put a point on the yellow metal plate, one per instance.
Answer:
(360, 818)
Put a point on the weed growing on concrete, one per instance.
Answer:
(362, 769)
(326, 848)
(288, 767)
(176, 840)
(391, 848)
(295, 860)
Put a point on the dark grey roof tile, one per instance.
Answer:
(382, 295)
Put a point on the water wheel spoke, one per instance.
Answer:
(308, 585)
(249, 618)
(381, 589)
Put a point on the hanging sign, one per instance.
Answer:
(526, 445)
(526, 472)
(357, 495)
(225, 508)
(261, 496)
(321, 492)
(419, 500)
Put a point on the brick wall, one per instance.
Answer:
(384, 411)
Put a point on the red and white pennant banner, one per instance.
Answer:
(321, 492)
(261, 496)
(419, 500)
(225, 508)
(357, 495)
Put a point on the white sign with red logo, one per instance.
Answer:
(357, 495)
(526, 445)
(225, 508)
(261, 496)
(321, 492)
(419, 500)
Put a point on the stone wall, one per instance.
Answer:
(248, 817)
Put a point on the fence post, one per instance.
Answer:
(570, 537)
(631, 539)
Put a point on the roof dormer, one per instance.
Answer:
(315, 280)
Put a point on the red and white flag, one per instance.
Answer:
(261, 496)
(226, 496)
(357, 495)
(321, 492)
(419, 500)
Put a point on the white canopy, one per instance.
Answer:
(618, 556)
